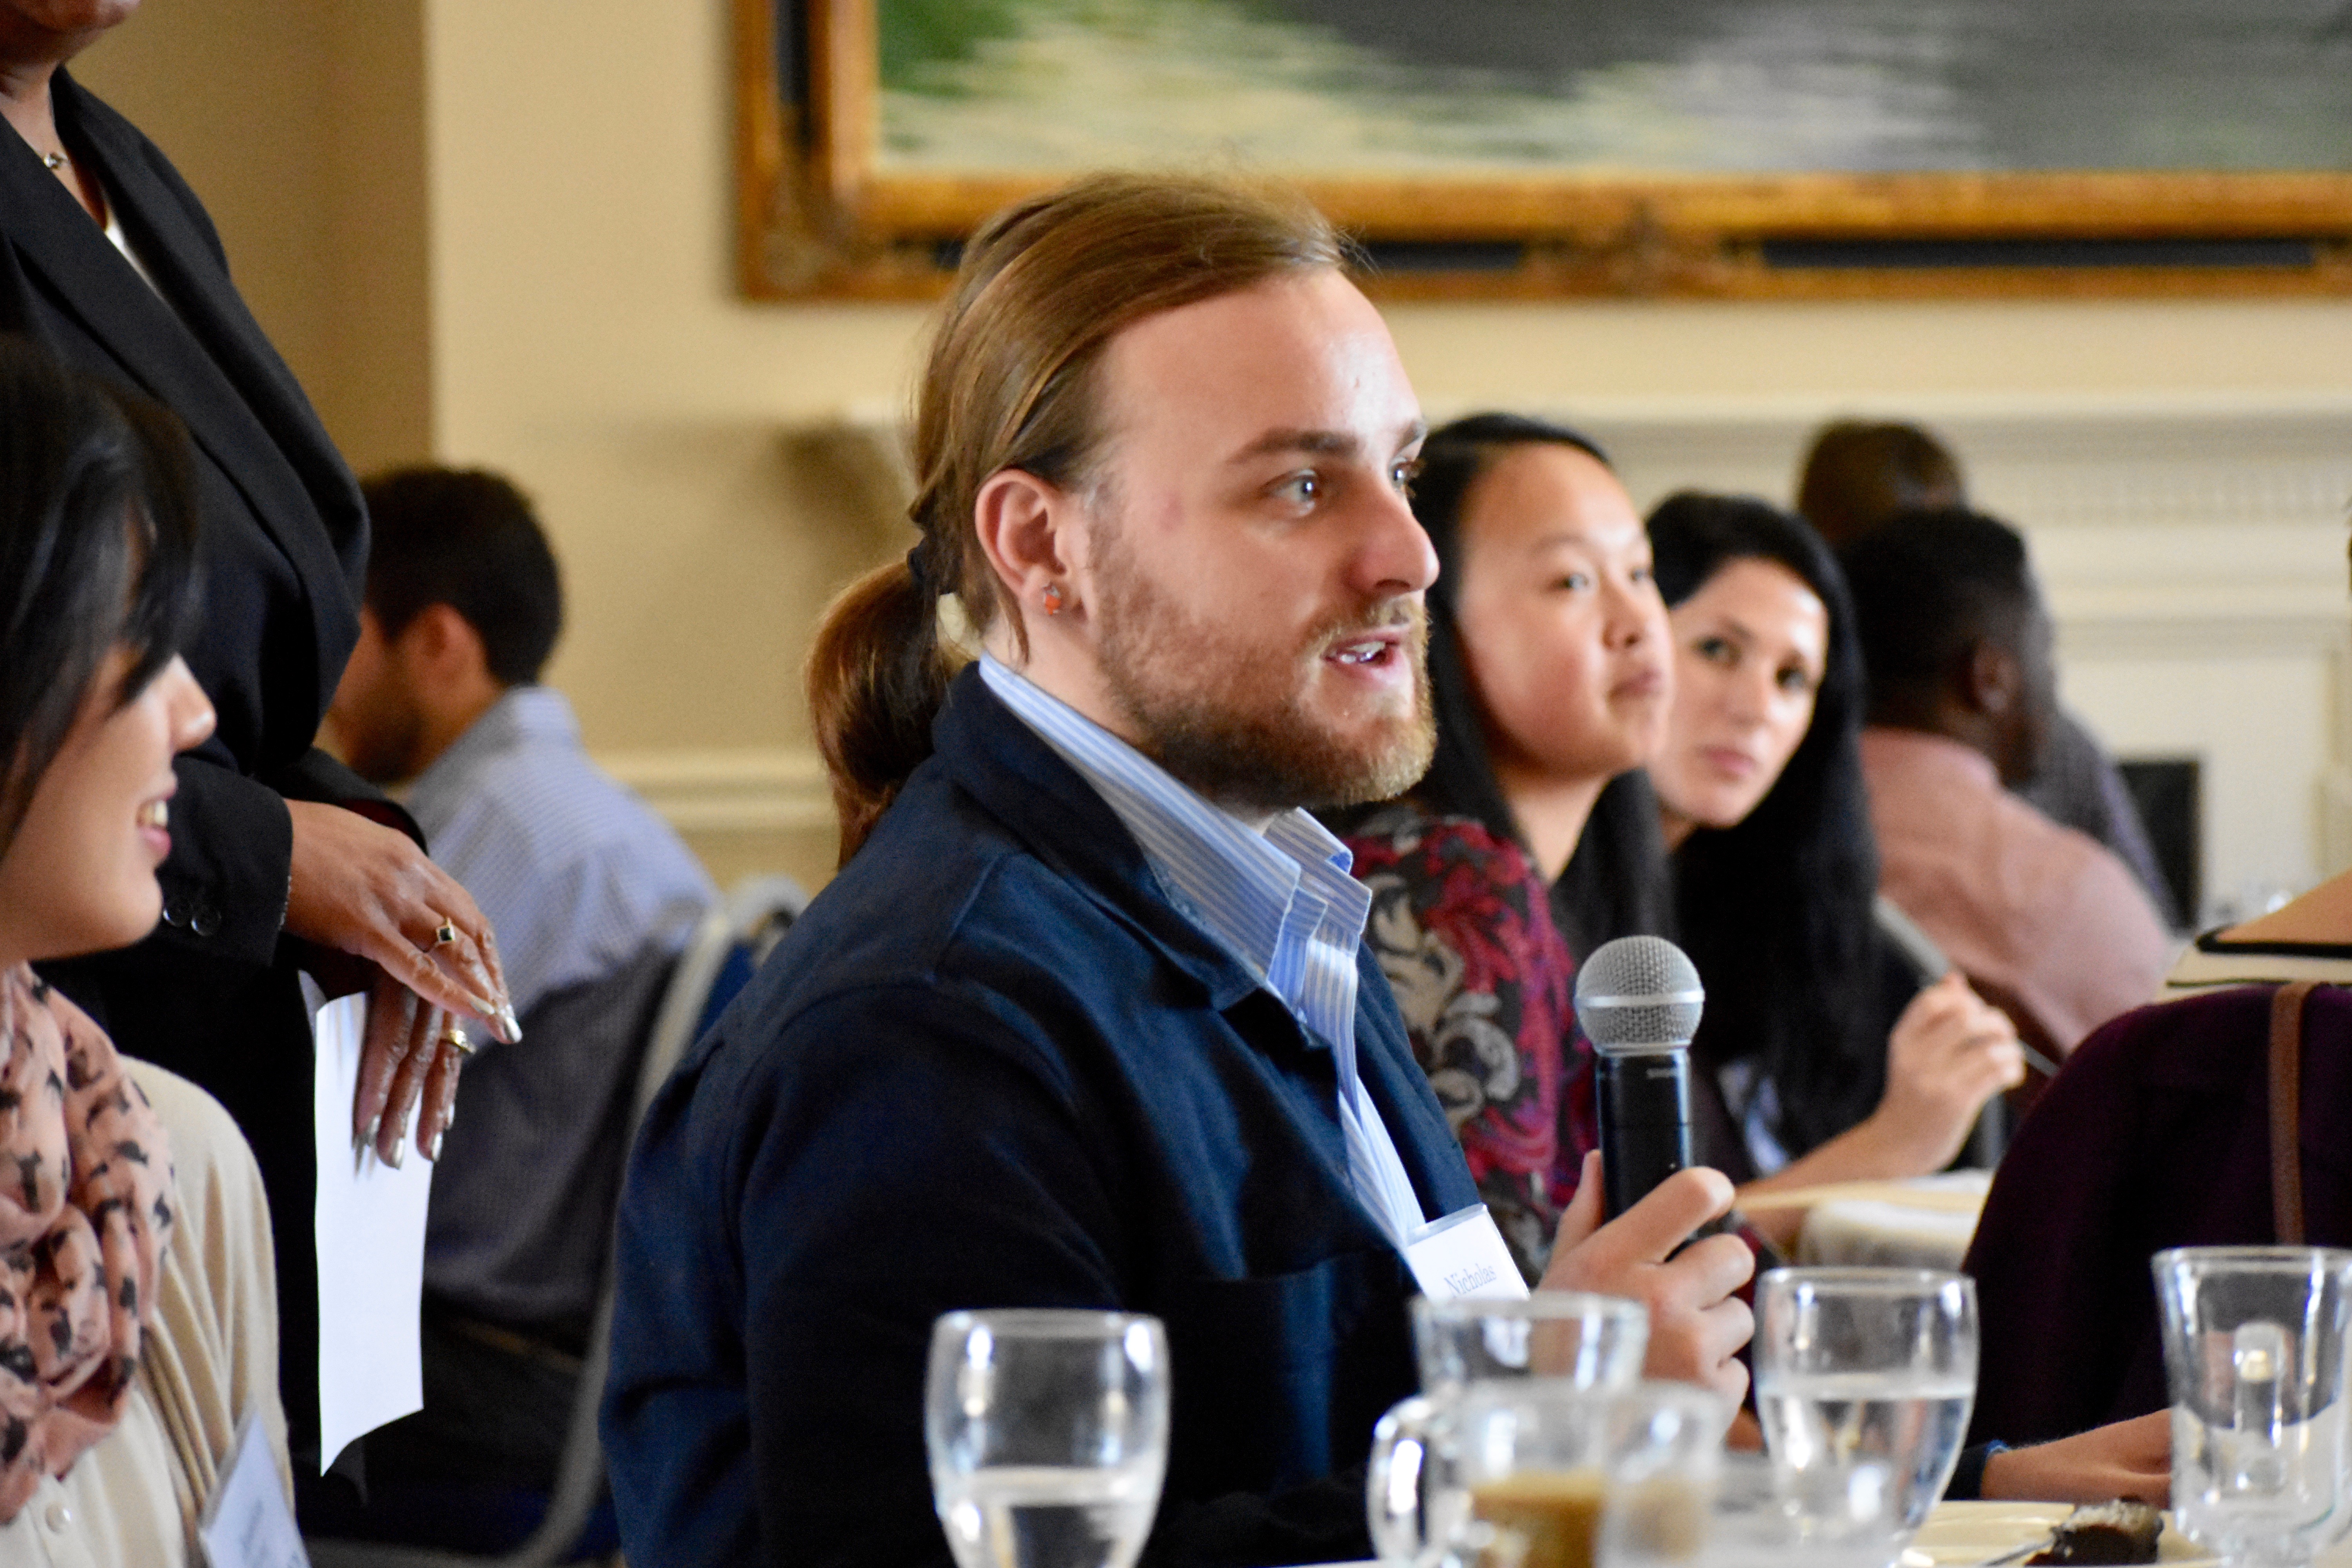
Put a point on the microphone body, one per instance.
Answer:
(1644, 1102)
(1638, 1000)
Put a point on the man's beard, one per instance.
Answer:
(1233, 723)
(384, 750)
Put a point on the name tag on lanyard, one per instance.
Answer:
(1462, 1258)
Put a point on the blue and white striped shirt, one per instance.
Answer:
(574, 873)
(1281, 901)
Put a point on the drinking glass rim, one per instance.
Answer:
(1045, 1322)
(2286, 1257)
(1537, 1306)
(1879, 1281)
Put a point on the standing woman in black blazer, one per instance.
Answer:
(282, 860)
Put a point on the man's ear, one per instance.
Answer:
(1992, 678)
(442, 649)
(1026, 526)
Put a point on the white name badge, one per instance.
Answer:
(247, 1525)
(1462, 1258)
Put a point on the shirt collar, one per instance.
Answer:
(1924, 751)
(1237, 884)
(523, 713)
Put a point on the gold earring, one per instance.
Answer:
(1053, 597)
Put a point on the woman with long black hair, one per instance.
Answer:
(1832, 1062)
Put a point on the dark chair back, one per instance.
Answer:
(2154, 1134)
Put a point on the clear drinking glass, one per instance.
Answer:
(2253, 1349)
(1756, 1522)
(1048, 1436)
(1561, 1340)
(1521, 1474)
(1592, 1342)
(1864, 1382)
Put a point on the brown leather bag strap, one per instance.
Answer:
(2286, 1110)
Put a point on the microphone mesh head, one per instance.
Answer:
(1638, 993)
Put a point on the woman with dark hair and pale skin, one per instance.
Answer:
(1829, 1059)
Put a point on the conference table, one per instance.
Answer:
(1965, 1535)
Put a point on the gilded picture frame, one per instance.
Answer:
(821, 216)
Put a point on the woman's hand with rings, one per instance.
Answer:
(366, 890)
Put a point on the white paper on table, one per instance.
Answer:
(249, 1524)
(369, 1229)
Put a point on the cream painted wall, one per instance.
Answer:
(577, 325)
(302, 128)
(1881, 356)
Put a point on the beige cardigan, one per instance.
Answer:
(135, 1499)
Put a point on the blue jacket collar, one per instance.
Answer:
(1040, 799)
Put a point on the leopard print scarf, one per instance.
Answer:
(86, 1208)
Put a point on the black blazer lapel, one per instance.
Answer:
(207, 361)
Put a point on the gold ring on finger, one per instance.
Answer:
(455, 1037)
(445, 933)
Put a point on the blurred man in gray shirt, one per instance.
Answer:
(591, 896)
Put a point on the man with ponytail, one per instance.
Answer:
(1086, 1019)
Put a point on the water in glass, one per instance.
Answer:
(2254, 1353)
(1907, 1428)
(1047, 1516)
(1864, 1378)
(1048, 1435)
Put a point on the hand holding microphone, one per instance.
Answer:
(1638, 1000)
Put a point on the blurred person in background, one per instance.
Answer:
(282, 860)
(1825, 1060)
(1957, 645)
(591, 895)
(1859, 474)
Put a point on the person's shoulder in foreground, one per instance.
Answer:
(2156, 1134)
(992, 1065)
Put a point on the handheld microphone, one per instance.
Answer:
(1638, 1000)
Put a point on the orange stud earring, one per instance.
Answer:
(1053, 597)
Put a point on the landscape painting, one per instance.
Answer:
(1512, 146)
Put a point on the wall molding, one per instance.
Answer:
(2159, 527)
(2174, 524)
(719, 790)
(2192, 550)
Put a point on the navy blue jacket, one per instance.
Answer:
(992, 1066)
(214, 992)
